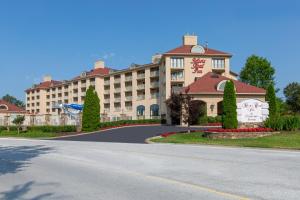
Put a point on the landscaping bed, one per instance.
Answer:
(124, 123)
(286, 140)
(238, 133)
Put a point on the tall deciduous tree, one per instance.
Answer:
(292, 94)
(174, 105)
(13, 100)
(229, 106)
(271, 99)
(258, 71)
(91, 111)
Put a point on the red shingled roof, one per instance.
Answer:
(208, 83)
(95, 72)
(44, 85)
(186, 49)
(11, 108)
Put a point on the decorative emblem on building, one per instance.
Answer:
(198, 64)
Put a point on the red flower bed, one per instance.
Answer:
(221, 130)
(214, 124)
(167, 134)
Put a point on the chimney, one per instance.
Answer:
(47, 78)
(99, 64)
(190, 39)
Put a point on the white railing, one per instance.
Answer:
(117, 80)
(141, 76)
(128, 108)
(107, 82)
(128, 88)
(154, 73)
(118, 99)
(141, 86)
(154, 84)
(128, 98)
(106, 100)
(128, 78)
(117, 89)
(140, 97)
(155, 96)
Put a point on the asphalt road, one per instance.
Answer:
(137, 134)
(36, 170)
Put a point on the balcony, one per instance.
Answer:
(177, 78)
(106, 100)
(83, 85)
(140, 76)
(117, 109)
(154, 84)
(140, 97)
(154, 95)
(128, 98)
(117, 80)
(107, 82)
(106, 110)
(117, 99)
(141, 86)
(106, 91)
(117, 90)
(154, 73)
(83, 93)
(219, 69)
(128, 108)
(128, 78)
(128, 88)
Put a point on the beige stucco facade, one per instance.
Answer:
(136, 92)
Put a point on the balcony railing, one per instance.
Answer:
(176, 78)
(106, 91)
(106, 110)
(83, 84)
(118, 99)
(106, 100)
(141, 76)
(140, 97)
(128, 108)
(154, 84)
(117, 80)
(128, 88)
(154, 73)
(106, 82)
(154, 95)
(128, 98)
(117, 90)
(141, 86)
(128, 78)
(117, 109)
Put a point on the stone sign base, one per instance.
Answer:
(237, 135)
(251, 125)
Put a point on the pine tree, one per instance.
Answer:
(229, 106)
(271, 99)
(91, 111)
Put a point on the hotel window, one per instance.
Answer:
(218, 63)
(38, 104)
(177, 62)
(177, 75)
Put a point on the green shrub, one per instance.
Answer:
(229, 119)
(283, 123)
(128, 122)
(271, 99)
(53, 129)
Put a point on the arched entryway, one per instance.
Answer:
(220, 108)
(154, 111)
(198, 109)
(140, 112)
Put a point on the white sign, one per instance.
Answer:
(252, 110)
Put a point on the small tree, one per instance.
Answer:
(91, 111)
(18, 121)
(292, 94)
(229, 106)
(271, 99)
(174, 104)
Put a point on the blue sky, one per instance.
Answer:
(63, 38)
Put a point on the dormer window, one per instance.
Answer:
(221, 86)
(218, 63)
(3, 107)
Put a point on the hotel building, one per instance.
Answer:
(140, 91)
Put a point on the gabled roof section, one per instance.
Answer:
(94, 72)
(208, 83)
(11, 108)
(186, 49)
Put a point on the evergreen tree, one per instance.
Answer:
(229, 106)
(271, 99)
(91, 111)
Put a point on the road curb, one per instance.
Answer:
(148, 140)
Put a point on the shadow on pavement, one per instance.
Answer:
(14, 159)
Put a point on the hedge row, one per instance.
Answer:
(45, 129)
(284, 123)
(208, 119)
(128, 122)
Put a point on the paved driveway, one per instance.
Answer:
(136, 134)
(42, 170)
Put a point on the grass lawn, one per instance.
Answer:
(29, 134)
(287, 140)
